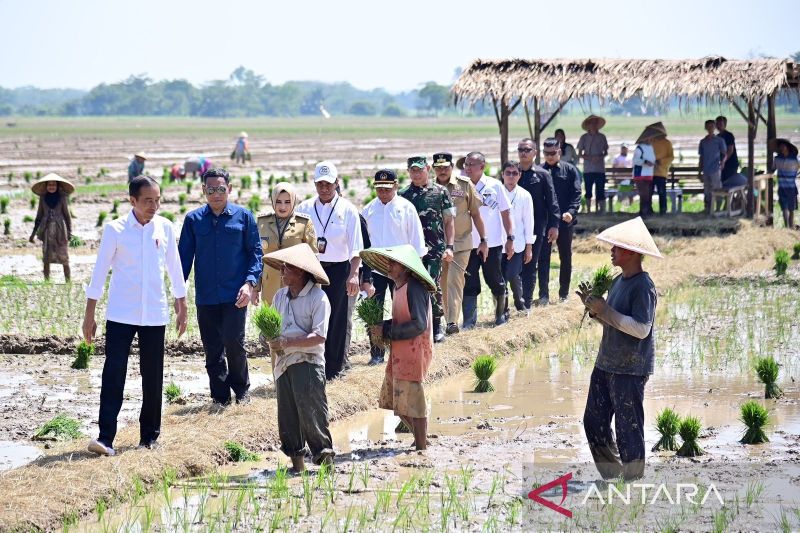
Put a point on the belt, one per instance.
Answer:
(326, 264)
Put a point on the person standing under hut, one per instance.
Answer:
(626, 356)
(522, 215)
(338, 229)
(731, 166)
(644, 163)
(139, 249)
(712, 151)
(546, 216)
(664, 157)
(568, 153)
(567, 184)
(221, 240)
(593, 149)
(299, 352)
(786, 165)
(136, 166)
(391, 221)
(467, 204)
(409, 333)
(53, 223)
(436, 213)
(496, 215)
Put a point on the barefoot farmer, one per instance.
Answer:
(300, 368)
(625, 359)
(410, 332)
(139, 249)
(53, 224)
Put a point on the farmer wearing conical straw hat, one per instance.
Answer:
(241, 152)
(593, 149)
(410, 332)
(136, 166)
(299, 371)
(53, 224)
(625, 359)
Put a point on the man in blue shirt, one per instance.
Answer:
(221, 239)
(136, 167)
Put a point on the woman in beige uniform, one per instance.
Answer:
(278, 230)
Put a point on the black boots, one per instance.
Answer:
(469, 307)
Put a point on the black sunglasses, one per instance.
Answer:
(525, 150)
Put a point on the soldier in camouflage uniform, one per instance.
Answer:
(436, 212)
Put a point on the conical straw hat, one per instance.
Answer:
(649, 133)
(406, 255)
(631, 235)
(40, 187)
(140, 154)
(300, 256)
(659, 126)
(243, 134)
(774, 143)
(585, 123)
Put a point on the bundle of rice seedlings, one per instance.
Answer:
(689, 431)
(182, 198)
(597, 286)
(755, 417)
(667, 423)
(247, 182)
(169, 216)
(172, 392)
(115, 207)
(84, 351)
(101, 217)
(4, 201)
(61, 427)
(767, 370)
(796, 251)
(75, 241)
(254, 204)
(370, 311)
(268, 321)
(483, 367)
(239, 453)
(781, 262)
(32, 202)
(7, 226)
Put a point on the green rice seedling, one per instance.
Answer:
(182, 209)
(172, 392)
(33, 201)
(254, 204)
(181, 198)
(188, 188)
(7, 226)
(271, 180)
(370, 311)
(169, 216)
(27, 218)
(597, 286)
(796, 251)
(346, 181)
(101, 217)
(246, 181)
(280, 483)
(104, 171)
(268, 321)
(755, 417)
(689, 432)
(27, 176)
(365, 475)
(4, 201)
(294, 177)
(259, 181)
(239, 453)
(307, 196)
(38, 174)
(80, 171)
(87, 180)
(84, 353)
(308, 491)
(100, 507)
(781, 262)
(305, 176)
(61, 427)
(667, 423)
(767, 371)
(115, 207)
(166, 175)
(351, 193)
(483, 367)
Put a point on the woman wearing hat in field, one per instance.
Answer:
(241, 152)
(410, 334)
(136, 166)
(593, 149)
(299, 370)
(626, 356)
(53, 224)
(786, 166)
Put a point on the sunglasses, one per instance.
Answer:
(221, 189)
(511, 173)
(547, 154)
(525, 150)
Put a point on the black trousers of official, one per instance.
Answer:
(222, 333)
(337, 326)
(620, 396)
(529, 270)
(151, 366)
(492, 273)
(659, 185)
(381, 284)
(564, 244)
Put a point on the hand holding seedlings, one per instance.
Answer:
(180, 316)
(89, 325)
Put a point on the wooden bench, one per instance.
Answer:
(681, 180)
(733, 200)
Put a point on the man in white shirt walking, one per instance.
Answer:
(338, 229)
(496, 215)
(138, 249)
(391, 220)
(522, 215)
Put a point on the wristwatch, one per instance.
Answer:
(449, 247)
(511, 238)
(251, 283)
(483, 240)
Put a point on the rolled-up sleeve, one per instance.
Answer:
(105, 255)
(252, 243)
(174, 268)
(321, 316)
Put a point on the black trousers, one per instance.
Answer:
(659, 185)
(620, 396)
(564, 244)
(381, 284)
(529, 270)
(151, 363)
(492, 273)
(337, 326)
(222, 333)
(303, 411)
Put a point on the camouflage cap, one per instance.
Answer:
(418, 161)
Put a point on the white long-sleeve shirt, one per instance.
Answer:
(339, 224)
(495, 200)
(138, 256)
(393, 223)
(522, 215)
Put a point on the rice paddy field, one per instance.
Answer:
(493, 456)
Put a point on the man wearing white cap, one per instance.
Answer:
(338, 229)
(626, 356)
(136, 167)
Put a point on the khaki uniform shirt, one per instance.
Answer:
(300, 229)
(467, 203)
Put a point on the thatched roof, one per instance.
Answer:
(558, 80)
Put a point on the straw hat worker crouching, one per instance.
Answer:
(53, 223)
(299, 371)
(626, 355)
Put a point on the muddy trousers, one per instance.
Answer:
(381, 284)
(222, 333)
(620, 396)
(151, 362)
(336, 292)
(303, 411)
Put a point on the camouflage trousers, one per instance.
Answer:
(434, 268)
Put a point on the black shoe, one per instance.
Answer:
(152, 445)
(244, 399)
(438, 331)
(542, 302)
(375, 361)
(562, 299)
(220, 403)
(452, 329)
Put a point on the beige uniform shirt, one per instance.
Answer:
(299, 230)
(467, 203)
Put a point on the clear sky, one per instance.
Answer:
(397, 45)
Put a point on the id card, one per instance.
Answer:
(322, 243)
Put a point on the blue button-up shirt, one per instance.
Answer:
(225, 250)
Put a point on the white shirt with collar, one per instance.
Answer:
(394, 223)
(138, 256)
(338, 222)
(522, 217)
(494, 200)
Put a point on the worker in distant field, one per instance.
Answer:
(53, 224)
(197, 165)
(177, 172)
(241, 152)
(626, 356)
(136, 166)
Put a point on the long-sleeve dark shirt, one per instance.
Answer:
(567, 184)
(366, 271)
(546, 213)
(225, 251)
(418, 301)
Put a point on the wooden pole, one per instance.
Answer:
(751, 137)
(537, 128)
(504, 114)
(528, 118)
(771, 134)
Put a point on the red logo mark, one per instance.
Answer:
(562, 481)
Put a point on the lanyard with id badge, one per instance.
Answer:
(489, 197)
(322, 242)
